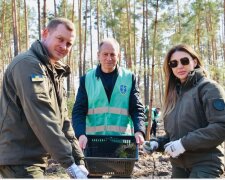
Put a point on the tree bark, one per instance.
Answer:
(98, 29)
(26, 25)
(39, 18)
(85, 36)
(80, 37)
(15, 28)
(91, 48)
(44, 14)
(129, 59)
(55, 10)
(152, 78)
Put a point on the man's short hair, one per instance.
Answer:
(109, 40)
(56, 21)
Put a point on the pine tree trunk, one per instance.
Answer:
(15, 28)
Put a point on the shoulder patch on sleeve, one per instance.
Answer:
(219, 104)
(37, 78)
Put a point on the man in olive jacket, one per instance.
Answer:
(33, 113)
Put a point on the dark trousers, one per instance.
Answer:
(21, 171)
(204, 171)
(153, 129)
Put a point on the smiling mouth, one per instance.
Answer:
(60, 53)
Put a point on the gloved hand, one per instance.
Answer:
(83, 141)
(75, 172)
(150, 146)
(83, 169)
(174, 148)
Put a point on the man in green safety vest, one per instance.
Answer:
(154, 117)
(108, 101)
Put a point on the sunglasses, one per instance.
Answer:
(174, 63)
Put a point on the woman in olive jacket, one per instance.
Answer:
(194, 117)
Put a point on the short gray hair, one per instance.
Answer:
(111, 41)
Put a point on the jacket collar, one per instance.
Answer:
(99, 71)
(38, 49)
(193, 78)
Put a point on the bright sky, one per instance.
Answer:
(50, 3)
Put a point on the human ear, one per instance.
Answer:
(196, 62)
(44, 34)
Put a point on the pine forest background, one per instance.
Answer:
(145, 29)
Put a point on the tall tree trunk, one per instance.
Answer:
(98, 29)
(144, 52)
(147, 53)
(161, 82)
(15, 27)
(140, 65)
(134, 38)
(44, 14)
(65, 8)
(224, 40)
(2, 30)
(211, 35)
(91, 48)
(26, 25)
(129, 59)
(112, 18)
(2, 35)
(39, 18)
(73, 11)
(85, 36)
(19, 27)
(70, 78)
(55, 10)
(178, 15)
(80, 38)
(152, 78)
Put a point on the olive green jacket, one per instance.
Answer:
(199, 120)
(33, 113)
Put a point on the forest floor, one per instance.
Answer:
(154, 166)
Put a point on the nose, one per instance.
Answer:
(63, 45)
(180, 65)
(108, 57)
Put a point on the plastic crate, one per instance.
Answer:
(110, 155)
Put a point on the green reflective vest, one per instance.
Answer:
(104, 117)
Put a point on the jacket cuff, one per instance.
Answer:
(79, 162)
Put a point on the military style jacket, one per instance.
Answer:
(199, 120)
(33, 113)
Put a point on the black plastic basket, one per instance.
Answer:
(111, 155)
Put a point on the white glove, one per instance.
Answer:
(150, 146)
(75, 172)
(83, 169)
(83, 141)
(174, 148)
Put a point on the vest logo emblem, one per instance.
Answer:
(123, 89)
